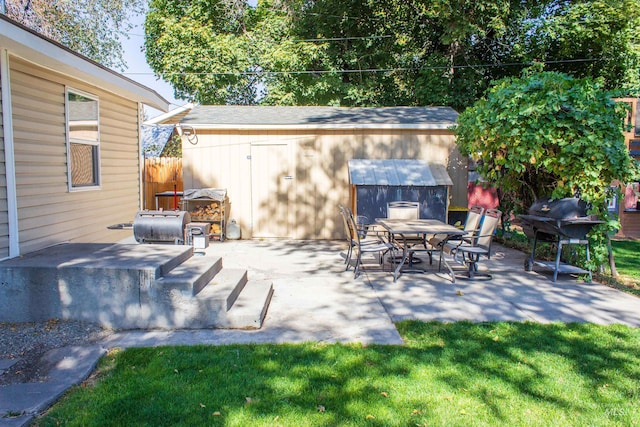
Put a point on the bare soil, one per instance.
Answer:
(29, 342)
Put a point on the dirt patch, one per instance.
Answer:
(28, 343)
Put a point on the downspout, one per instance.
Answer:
(142, 197)
(9, 158)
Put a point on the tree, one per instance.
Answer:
(373, 53)
(548, 134)
(593, 38)
(92, 28)
(332, 52)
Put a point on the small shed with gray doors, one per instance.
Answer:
(286, 168)
(374, 183)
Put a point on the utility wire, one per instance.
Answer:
(376, 70)
(334, 39)
(325, 39)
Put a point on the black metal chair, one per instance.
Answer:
(362, 230)
(359, 243)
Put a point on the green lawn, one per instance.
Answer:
(460, 374)
(627, 256)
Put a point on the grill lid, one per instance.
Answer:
(566, 217)
(566, 208)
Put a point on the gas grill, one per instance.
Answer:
(562, 222)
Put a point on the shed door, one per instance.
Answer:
(271, 182)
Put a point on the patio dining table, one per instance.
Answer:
(408, 227)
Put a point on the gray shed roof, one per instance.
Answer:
(239, 116)
(397, 172)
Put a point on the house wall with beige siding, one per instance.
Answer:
(47, 212)
(4, 217)
(308, 174)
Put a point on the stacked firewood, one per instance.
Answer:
(209, 212)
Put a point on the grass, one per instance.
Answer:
(626, 254)
(460, 374)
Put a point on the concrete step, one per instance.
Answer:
(250, 308)
(223, 290)
(190, 277)
(172, 303)
(176, 261)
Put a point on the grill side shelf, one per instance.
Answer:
(563, 268)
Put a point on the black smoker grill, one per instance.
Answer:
(160, 226)
(563, 222)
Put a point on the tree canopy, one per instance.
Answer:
(373, 53)
(547, 134)
(92, 28)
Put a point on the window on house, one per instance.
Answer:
(83, 140)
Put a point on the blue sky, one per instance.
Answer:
(139, 70)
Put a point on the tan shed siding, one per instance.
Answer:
(319, 169)
(48, 213)
(223, 161)
(4, 219)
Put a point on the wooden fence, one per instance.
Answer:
(161, 174)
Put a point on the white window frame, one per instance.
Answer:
(76, 140)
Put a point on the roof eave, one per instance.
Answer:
(30, 46)
(424, 126)
(162, 117)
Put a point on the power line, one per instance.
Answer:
(325, 39)
(377, 70)
(333, 39)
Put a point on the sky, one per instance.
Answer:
(139, 70)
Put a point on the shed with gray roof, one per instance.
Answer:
(286, 168)
(375, 183)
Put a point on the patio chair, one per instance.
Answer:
(362, 229)
(471, 227)
(363, 246)
(409, 210)
(471, 249)
(403, 210)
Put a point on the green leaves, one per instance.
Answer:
(547, 134)
(92, 28)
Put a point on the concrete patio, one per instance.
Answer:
(316, 300)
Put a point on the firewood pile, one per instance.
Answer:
(209, 212)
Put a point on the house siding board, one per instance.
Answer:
(630, 217)
(65, 217)
(319, 168)
(47, 212)
(4, 216)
